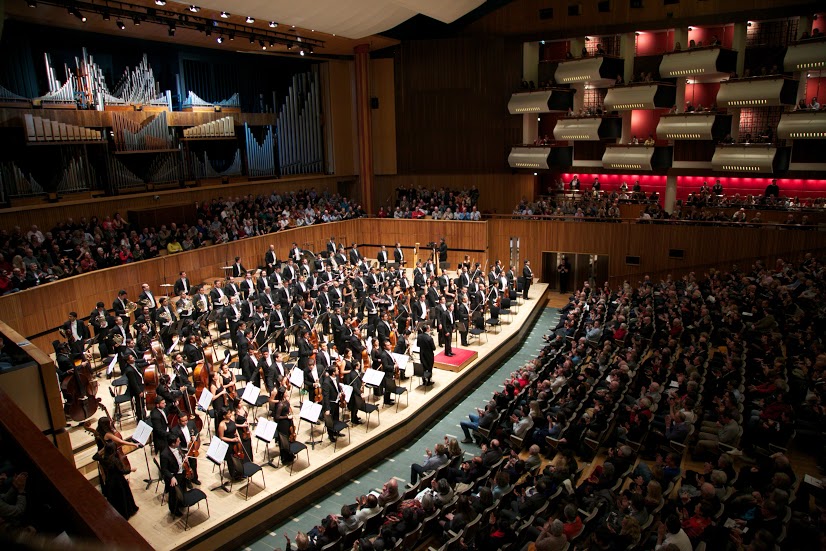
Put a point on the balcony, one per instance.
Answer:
(643, 95)
(806, 55)
(636, 157)
(599, 71)
(750, 158)
(539, 157)
(588, 128)
(694, 126)
(802, 125)
(541, 101)
(702, 64)
(769, 91)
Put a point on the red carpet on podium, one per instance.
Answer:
(462, 358)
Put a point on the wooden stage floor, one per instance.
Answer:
(233, 518)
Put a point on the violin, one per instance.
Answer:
(317, 396)
(80, 389)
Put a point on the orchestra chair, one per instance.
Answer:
(494, 321)
(295, 449)
(250, 469)
(339, 426)
(369, 408)
(418, 371)
(121, 399)
(159, 480)
(505, 309)
(478, 328)
(397, 394)
(194, 497)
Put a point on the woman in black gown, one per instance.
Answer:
(220, 397)
(115, 486)
(283, 416)
(228, 432)
(242, 424)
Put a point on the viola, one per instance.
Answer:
(317, 396)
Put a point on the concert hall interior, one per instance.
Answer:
(413, 274)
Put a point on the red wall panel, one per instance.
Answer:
(553, 51)
(815, 88)
(789, 187)
(644, 122)
(655, 43)
(819, 23)
(611, 182)
(704, 94)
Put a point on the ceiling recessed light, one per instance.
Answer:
(220, 40)
(250, 19)
(273, 24)
(302, 53)
(160, 2)
(224, 14)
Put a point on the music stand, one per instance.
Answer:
(217, 453)
(310, 412)
(265, 432)
(141, 435)
(213, 315)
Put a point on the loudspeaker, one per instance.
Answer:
(374, 103)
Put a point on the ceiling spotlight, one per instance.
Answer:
(224, 14)
(171, 30)
(106, 16)
(208, 31)
(220, 40)
(194, 9)
(136, 21)
(76, 13)
(311, 49)
(273, 24)
(232, 36)
(160, 2)
(252, 40)
(302, 53)
(261, 43)
(250, 19)
(272, 43)
(31, 3)
(120, 24)
(748, 23)
(289, 45)
(691, 28)
(542, 42)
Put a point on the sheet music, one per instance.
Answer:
(265, 430)
(174, 344)
(217, 450)
(414, 347)
(404, 362)
(348, 391)
(251, 393)
(206, 400)
(373, 377)
(816, 482)
(297, 378)
(111, 367)
(142, 432)
(310, 411)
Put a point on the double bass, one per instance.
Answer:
(80, 389)
(153, 372)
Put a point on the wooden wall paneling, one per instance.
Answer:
(341, 119)
(46, 216)
(383, 117)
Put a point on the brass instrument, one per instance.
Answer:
(144, 302)
(118, 340)
(164, 315)
(203, 305)
(131, 307)
(224, 300)
(62, 333)
(185, 305)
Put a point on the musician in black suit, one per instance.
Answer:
(101, 321)
(426, 353)
(448, 324)
(123, 333)
(329, 405)
(76, 332)
(192, 351)
(247, 286)
(270, 258)
(245, 362)
(527, 274)
(388, 365)
(216, 294)
(172, 472)
(147, 298)
(463, 315)
(442, 250)
(233, 313)
(295, 253)
(419, 309)
(160, 424)
(331, 246)
(383, 328)
(186, 432)
(237, 268)
(354, 255)
(180, 374)
(305, 350)
(267, 366)
(119, 306)
(381, 256)
(279, 322)
(134, 384)
(182, 284)
(372, 313)
(231, 288)
(398, 255)
(289, 273)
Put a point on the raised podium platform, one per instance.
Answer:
(460, 360)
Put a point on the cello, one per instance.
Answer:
(80, 389)
(153, 372)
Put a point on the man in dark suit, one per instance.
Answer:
(233, 313)
(442, 250)
(182, 284)
(355, 255)
(192, 351)
(426, 349)
(527, 274)
(448, 324)
(331, 246)
(388, 365)
(172, 472)
(278, 323)
(289, 273)
(383, 328)
(463, 315)
(119, 306)
(305, 350)
(381, 256)
(237, 268)
(134, 383)
(160, 424)
(186, 432)
(329, 404)
(295, 253)
(398, 255)
(564, 269)
(76, 332)
(270, 258)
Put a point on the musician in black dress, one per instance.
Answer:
(228, 432)
(283, 415)
(115, 486)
